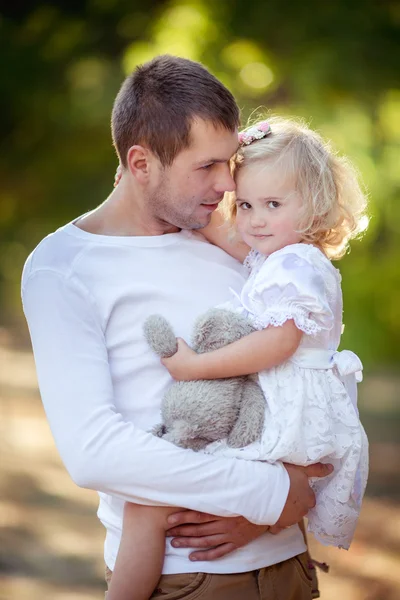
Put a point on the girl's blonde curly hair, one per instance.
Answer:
(334, 204)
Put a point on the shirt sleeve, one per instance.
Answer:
(101, 450)
(290, 287)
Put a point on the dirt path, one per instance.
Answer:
(51, 541)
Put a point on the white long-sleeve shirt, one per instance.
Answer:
(85, 298)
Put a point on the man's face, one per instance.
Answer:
(186, 193)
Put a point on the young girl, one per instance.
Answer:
(296, 207)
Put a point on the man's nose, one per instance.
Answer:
(225, 181)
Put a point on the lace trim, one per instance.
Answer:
(279, 317)
(251, 259)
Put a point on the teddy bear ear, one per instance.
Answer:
(219, 327)
(203, 328)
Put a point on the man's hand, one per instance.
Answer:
(301, 497)
(220, 535)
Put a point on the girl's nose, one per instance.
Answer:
(257, 220)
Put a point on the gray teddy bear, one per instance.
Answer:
(196, 413)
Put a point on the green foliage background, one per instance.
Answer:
(333, 63)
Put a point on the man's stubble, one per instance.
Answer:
(166, 208)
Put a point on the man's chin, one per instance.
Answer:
(198, 224)
(194, 221)
(202, 221)
(192, 227)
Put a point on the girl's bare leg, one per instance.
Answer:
(141, 552)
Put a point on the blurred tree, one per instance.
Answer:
(334, 63)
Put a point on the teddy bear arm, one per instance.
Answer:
(160, 336)
(250, 422)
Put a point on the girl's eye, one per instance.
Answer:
(245, 205)
(273, 204)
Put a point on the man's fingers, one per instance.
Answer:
(213, 553)
(318, 470)
(210, 528)
(208, 541)
(189, 516)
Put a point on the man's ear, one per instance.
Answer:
(139, 162)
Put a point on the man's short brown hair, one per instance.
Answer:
(158, 102)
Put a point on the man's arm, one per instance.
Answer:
(100, 450)
(220, 536)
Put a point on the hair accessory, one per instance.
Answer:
(256, 132)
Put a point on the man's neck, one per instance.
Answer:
(120, 216)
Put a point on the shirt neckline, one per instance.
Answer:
(150, 241)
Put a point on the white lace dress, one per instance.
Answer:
(311, 413)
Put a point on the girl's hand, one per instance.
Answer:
(118, 175)
(182, 365)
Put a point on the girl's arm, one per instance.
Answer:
(218, 232)
(253, 353)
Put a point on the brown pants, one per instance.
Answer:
(288, 580)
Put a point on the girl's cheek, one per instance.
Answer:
(241, 225)
(238, 220)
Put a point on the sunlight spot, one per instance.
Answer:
(363, 223)
(256, 75)
(240, 53)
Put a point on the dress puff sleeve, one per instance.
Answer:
(290, 285)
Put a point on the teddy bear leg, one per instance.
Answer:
(186, 442)
(198, 444)
(249, 425)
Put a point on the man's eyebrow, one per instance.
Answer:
(216, 160)
(208, 161)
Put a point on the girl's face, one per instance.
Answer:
(268, 207)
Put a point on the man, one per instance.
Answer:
(87, 290)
